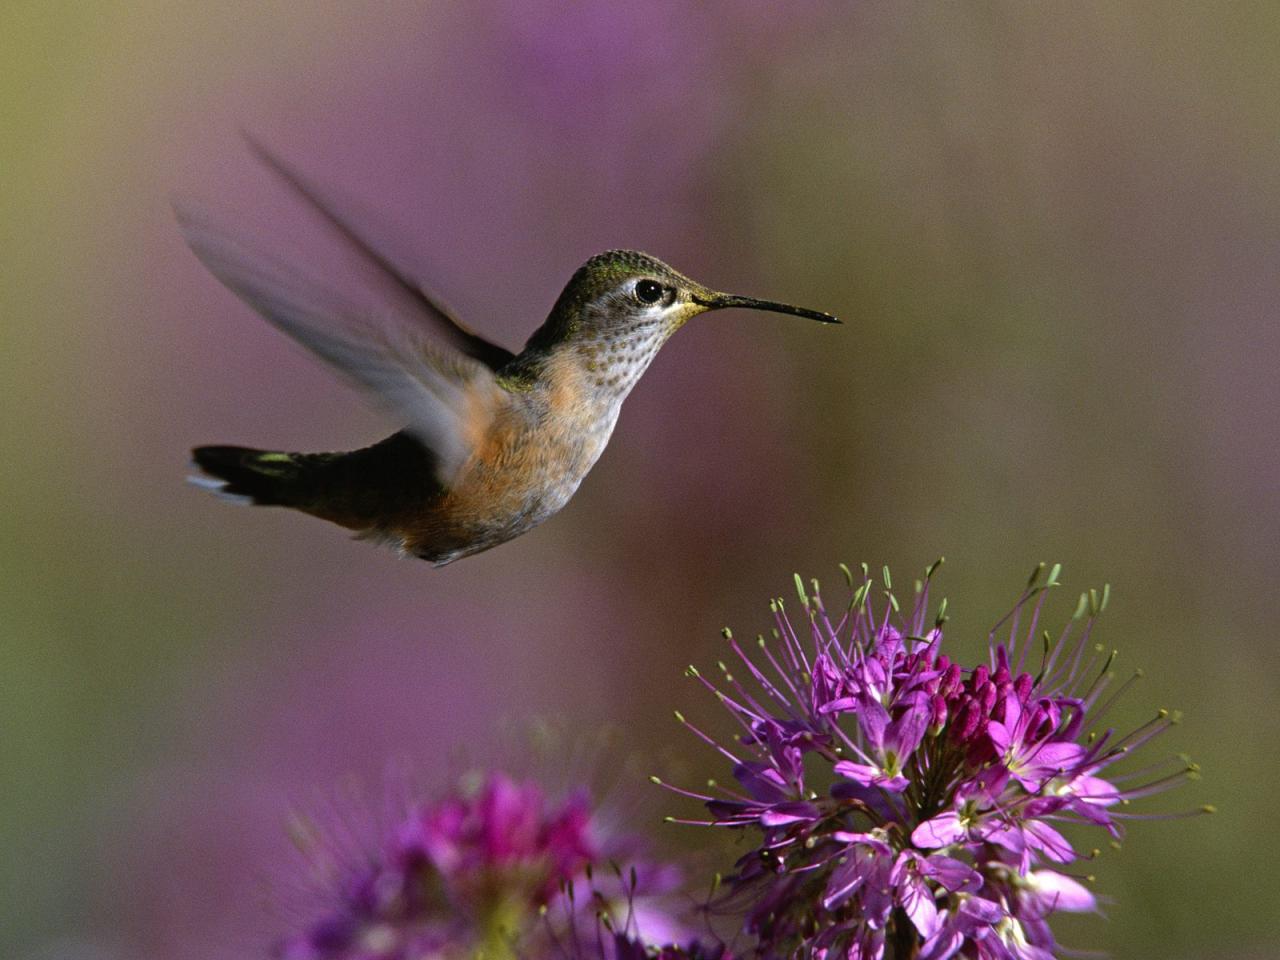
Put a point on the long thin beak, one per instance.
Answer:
(719, 301)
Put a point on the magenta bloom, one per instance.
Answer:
(908, 806)
(496, 871)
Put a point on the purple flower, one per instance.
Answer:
(906, 805)
(496, 870)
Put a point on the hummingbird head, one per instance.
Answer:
(621, 306)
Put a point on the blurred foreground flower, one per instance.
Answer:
(907, 806)
(494, 871)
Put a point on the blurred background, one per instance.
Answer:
(1053, 233)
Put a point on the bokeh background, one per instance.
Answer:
(1053, 232)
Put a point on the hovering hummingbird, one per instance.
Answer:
(493, 442)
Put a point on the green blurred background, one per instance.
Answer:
(1053, 231)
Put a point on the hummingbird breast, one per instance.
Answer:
(528, 463)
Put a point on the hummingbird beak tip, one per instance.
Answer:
(721, 301)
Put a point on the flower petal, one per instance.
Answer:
(1056, 756)
(980, 910)
(943, 830)
(781, 814)
(915, 897)
(942, 944)
(1054, 891)
(862, 773)
(874, 721)
(1048, 841)
(955, 875)
(845, 881)
(905, 733)
(763, 782)
(1001, 737)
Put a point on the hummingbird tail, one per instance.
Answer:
(246, 476)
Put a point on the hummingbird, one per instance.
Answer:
(492, 442)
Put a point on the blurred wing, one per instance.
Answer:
(428, 311)
(443, 398)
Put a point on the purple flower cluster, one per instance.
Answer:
(495, 871)
(903, 806)
(908, 806)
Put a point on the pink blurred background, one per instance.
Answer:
(1052, 233)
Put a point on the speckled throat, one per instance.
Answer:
(615, 357)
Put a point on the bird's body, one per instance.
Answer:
(533, 451)
(495, 442)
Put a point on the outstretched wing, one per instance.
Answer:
(399, 281)
(444, 398)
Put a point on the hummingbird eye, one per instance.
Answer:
(648, 291)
